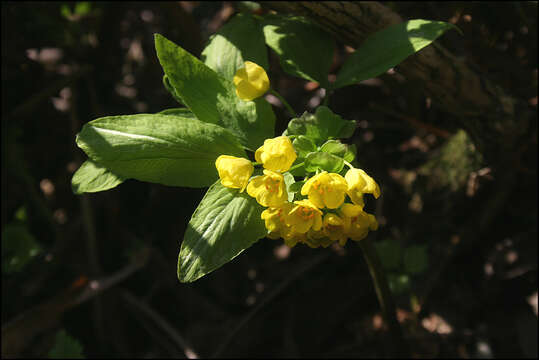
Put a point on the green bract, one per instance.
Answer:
(321, 126)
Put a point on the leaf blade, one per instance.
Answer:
(305, 50)
(387, 48)
(216, 231)
(93, 177)
(213, 98)
(164, 149)
(229, 48)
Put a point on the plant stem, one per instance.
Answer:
(348, 164)
(296, 166)
(284, 102)
(326, 97)
(400, 348)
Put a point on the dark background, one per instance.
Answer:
(64, 64)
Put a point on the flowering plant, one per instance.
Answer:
(304, 185)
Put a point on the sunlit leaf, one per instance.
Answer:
(93, 177)
(164, 149)
(212, 98)
(225, 223)
(388, 48)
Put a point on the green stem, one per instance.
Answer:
(326, 97)
(348, 164)
(284, 102)
(385, 299)
(296, 166)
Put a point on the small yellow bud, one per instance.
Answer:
(233, 171)
(251, 81)
(276, 154)
(360, 183)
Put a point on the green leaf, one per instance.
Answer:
(164, 149)
(82, 8)
(390, 253)
(388, 48)
(19, 247)
(93, 177)
(321, 126)
(213, 98)
(303, 145)
(20, 214)
(224, 224)
(247, 6)
(323, 161)
(289, 181)
(171, 90)
(398, 283)
(334, 147)
(300, 170)
(305, 50)
(296, 187)
(337, 148)
(181, 112)
(230, 47)
(350, 154)
(65, 347)
(416, 259)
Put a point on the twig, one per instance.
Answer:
(412, 121)
(284, 102)
(33, 101)
(162, 323)
(400, 347)
(99, 285)
(89, 227)
(275, 292)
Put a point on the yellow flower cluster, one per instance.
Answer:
(304, 220)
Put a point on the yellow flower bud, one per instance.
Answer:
(360, 221)
(251, 81)
(233, 171)
(276, 154)
(269, 189)
(316, 238)
(274, 219)
(336, 228)
(360, 183)
(325, 190)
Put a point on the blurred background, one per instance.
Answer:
(95, 275)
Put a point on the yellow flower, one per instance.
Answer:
(316, 239)
(233, 171)
(360, 221)
(360, 183)
(251, 81)
(274, 219)
(336, 228)
(325, 190)
(276, 154)
(292, 238)
(268, 189)
(304, 216)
